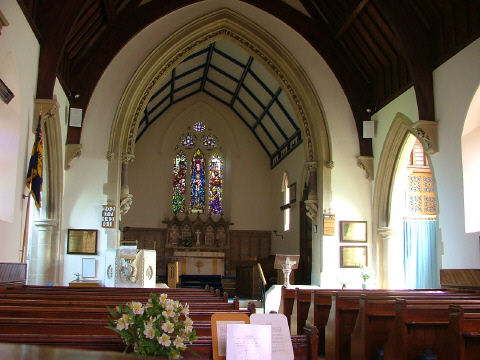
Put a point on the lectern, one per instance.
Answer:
(286, 263)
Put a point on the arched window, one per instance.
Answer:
(192, 157)
(215, 185)
(197, 183)
(179, 184)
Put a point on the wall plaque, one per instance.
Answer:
(108, 216)
(82, 241)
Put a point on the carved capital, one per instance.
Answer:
(312, 165)
(330, 164)
(127, 158)
(312, 209)
(110, 155)
(386, 232)
(72, 151)
(366, 163)
(126, 201)
(427, 133)
(46, 224)
(46, 108)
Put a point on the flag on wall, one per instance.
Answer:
(34, 174)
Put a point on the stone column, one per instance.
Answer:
(43, 257)
(387, 253)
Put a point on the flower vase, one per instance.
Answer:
(364, 285)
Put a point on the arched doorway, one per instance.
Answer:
(405, 208)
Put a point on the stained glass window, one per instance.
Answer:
(199, 126)
(215, 189)
(197, 183)
(179, 184)
(209, 141)
(188, 141)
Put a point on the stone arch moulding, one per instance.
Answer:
(394, 142)
(400, 128)
(221, 24)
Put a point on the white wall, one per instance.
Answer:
(406, 104)
(19, 52)
(455, 83)
(471, 164)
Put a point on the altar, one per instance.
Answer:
(200, 262)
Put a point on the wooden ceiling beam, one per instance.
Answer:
(87, 71)
(351, 18)
(89, 67)
(417, 51)
(110, 12)
(54, 21)
(320, 36)
(314, 10)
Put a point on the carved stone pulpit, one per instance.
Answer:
(130, 267)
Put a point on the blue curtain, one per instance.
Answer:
(420, 250)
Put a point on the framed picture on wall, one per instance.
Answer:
(89, 268)
(353, 231)
(353, 256)
(82, 242)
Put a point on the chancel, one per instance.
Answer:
(215, 135)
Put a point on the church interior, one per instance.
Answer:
(325, 151)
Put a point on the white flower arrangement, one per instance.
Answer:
(160, 327)
(365, 274)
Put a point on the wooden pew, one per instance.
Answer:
(420, 325)
(302, 344)
(344, 310)
(463, 339)
(192, 303)
(71, 322)
(375, 319)
(93, 312)
(93, 327)
(301, 300)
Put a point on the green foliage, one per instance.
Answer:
(160, 327)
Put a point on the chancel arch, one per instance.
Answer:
(227, 25)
